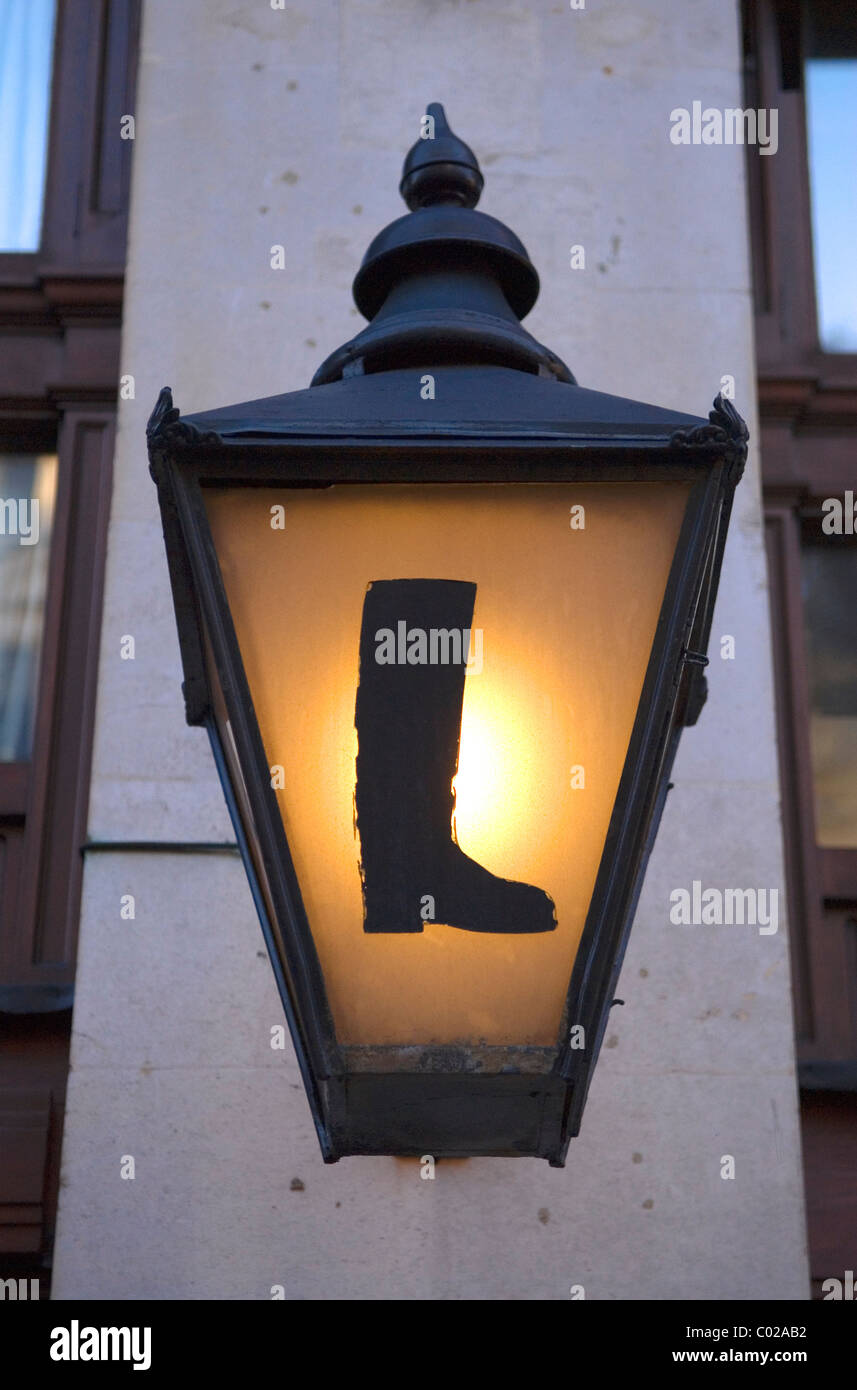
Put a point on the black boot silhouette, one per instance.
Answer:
(408, 719)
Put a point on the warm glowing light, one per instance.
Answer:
(497, 782)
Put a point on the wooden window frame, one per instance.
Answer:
(821, 882)
(788, 352)
(60, 317)
(43, 802)
(808, 420)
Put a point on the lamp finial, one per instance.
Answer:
(440, 168)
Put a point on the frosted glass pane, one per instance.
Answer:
(561, 625)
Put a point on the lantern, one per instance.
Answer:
(444, 615)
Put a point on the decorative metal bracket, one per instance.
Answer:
(726, 431)
(165, 429)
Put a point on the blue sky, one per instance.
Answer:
(831, 102)
(26, 50)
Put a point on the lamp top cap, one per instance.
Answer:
(440, 168)
(444, 279)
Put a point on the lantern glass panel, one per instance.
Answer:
(560, 587)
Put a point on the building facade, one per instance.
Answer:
(190, 1166)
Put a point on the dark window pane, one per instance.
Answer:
(829, 581)
(26, 53)
(27, 491)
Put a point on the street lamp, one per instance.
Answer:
(444, 615)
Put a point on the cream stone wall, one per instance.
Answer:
(258, 126)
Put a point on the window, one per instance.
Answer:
(801, 58)
(26, 61)
(63, 216)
